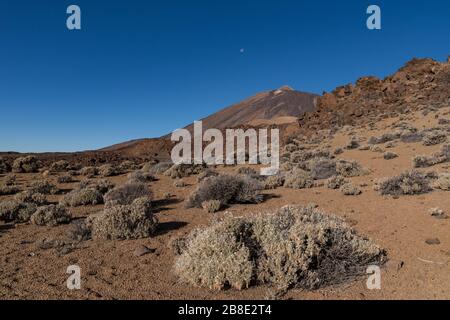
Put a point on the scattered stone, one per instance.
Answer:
(433, 241)
(142, 250)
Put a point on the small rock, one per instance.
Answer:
(142, 250)
(434, 241)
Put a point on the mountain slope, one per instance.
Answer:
(284, 102)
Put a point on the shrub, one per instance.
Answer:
(295, 247)
(442, 156)
(50, 215)
(387, 137)
(31, 197)
(336, 182)
(43, 187)
(421, 161)
(298, 179)
(80, 231)
(82, 197)
(442, 182)
(8, 190)
(102, 186)
(410, 137)
(10, 180)
(132, 221)
(301, 156)
(352, 144)
(127, 165)
(107, 170)
(407, 183)
(211, 206)
(227, 189)
(26, 164)
(273, 182)
(59, 166)
(13, 211)
(248, 171)
(140, 176)
(349, 189)
(127, 193)
(66, 178)
(349, 168)
(434, 137)
(89, 172)
(179, 171)
(206, 174)
(322, 168)
(390, 155)
(4, 166)
(158, 168)
(338, 151)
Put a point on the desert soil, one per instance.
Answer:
(110, 270)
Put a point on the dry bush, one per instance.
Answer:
(10, 180)
(443, 121)
(298, 179)
(387, 137)
(349, 168)
(390, 155)
(127, 165)
(102, 186)
(14, 211)
(65, 178)
(107, 170)
(79, 231)
(158, 168)
(349, 189)
(295, 247)
(434, 137)
(305, 155)
(26, 164)
(227, 189)
(31, 197)
(336, 182)
(338, 151)
(179, 171)
(50, 215)
(43, 187)
(407, 183)
(132, 221)
(211, 206)
(421, 161)
(352, 144)
(248, 171)
(273, 182)
(442, 182)
(82, 197)
(8, 190)
(127, 193)
(59, 166)
(89, 172)
(322, 168)
(140, 176)
(4, 166)
(206, 174)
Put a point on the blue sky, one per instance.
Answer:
(144, 68)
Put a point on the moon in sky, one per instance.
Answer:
(242, 50)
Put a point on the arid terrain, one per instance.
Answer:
(375, 154)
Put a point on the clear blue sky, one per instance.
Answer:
(144, 68)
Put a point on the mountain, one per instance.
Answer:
(276, 105)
